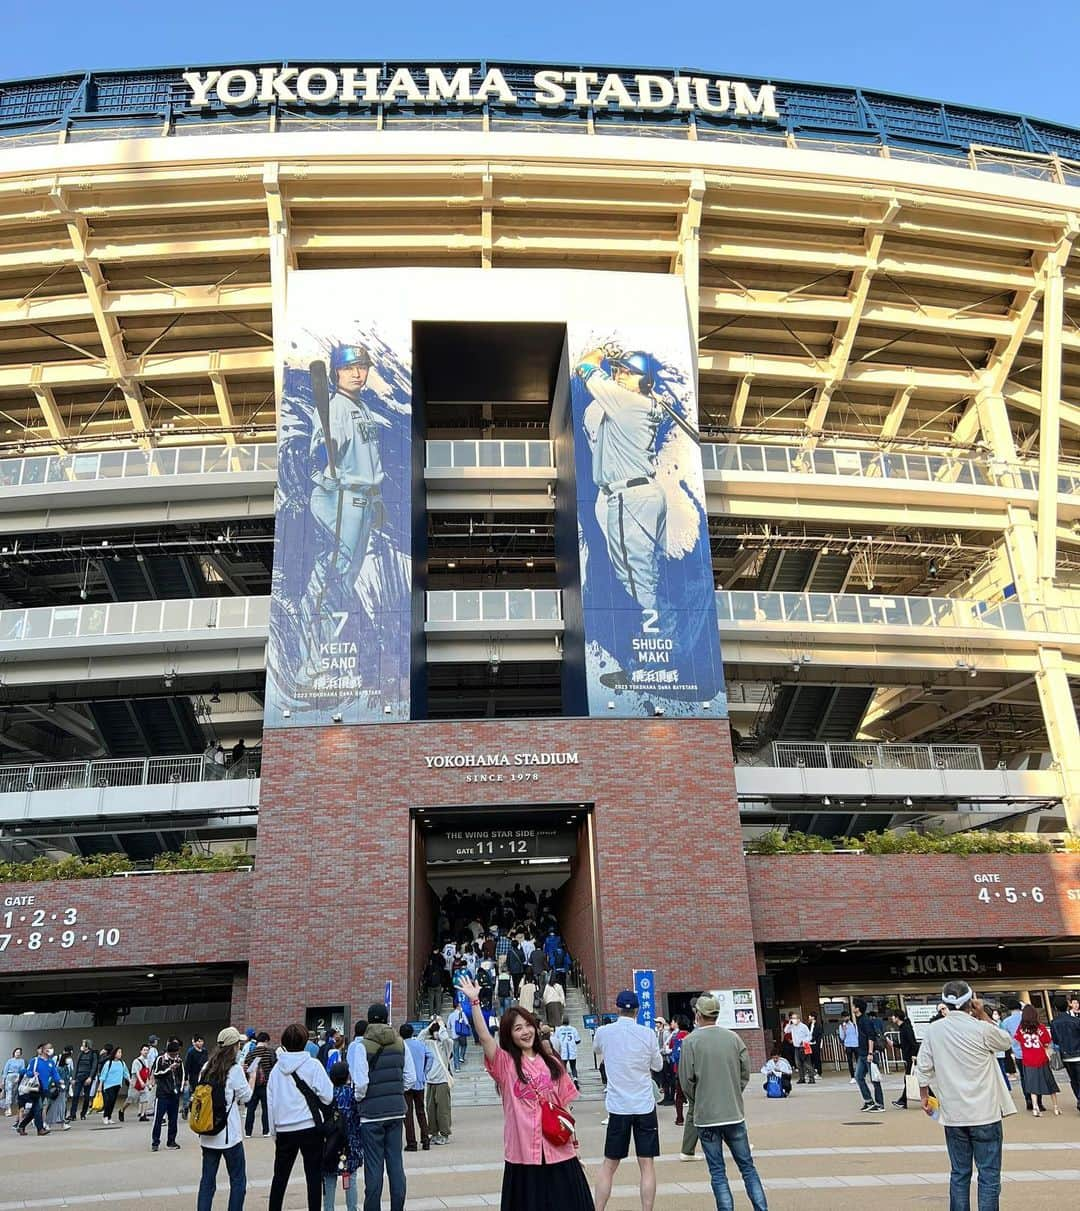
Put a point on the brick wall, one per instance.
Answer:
(179, 918)
(849, 897)
(334, 849)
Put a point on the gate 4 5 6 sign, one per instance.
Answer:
(991, 890)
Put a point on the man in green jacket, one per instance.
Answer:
(714, 1069)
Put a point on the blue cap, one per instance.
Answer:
(627, 1000)
(349, 355)
(642, 364)
(250, 1032)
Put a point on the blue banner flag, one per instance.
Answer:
(645, 990)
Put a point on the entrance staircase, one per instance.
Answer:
(473, 1086)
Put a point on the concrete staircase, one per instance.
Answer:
(473, 1086)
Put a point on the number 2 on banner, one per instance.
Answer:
(652, 617)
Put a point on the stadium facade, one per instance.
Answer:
(551, 473)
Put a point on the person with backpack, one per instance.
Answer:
(141, 1090)
(168, 1079)
(221, 1088)
(871, 1049)
(433, 983)
(114, 1074)
(385, 1072)
(460, 1031)
(34, 1086)
(298, 1084)
(343, 1153)
(777, 1073)
(258, 1065)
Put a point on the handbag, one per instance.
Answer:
(97, 1103)
(875, 1073)
(911, 1087)
(807, 1049)
(556, 1122)
(29, 1084)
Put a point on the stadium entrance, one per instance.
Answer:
(504, 865)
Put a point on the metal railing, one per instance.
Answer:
(120, 771)
(875, 609)
(494, 605)
(876, 464)
(133, 618)
(42, 469)
(798, 754)
(483, 453)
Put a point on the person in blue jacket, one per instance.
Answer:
(42, 1066)
(13, 1070)
(352, 1155)
(114, 1073)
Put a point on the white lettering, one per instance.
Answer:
(581, 81)
(370, 85)
(442, 89)
(748, 105)
(249, 86)
(200, 86)
(549, 90)
(307, 90)
(402, 84)
(613, 89)
(704, 101)
(494, 84)
(664, 89)
(275, 84)
(682, 90)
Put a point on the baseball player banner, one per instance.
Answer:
(652, 642)
(340, 612)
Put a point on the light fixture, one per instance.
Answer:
(843, 950)
(150, 975)
(451, 564)
(388, 710)
(973, 671)
(336, 716)
(528, 563)
(286, 713)
(215, 694)
(611, 705)
(826, 802)
(51, 708)
(658, 710)
(907, 801)
(169, 679)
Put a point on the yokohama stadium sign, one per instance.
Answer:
(548, 88)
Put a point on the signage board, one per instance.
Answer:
(738, 1008)
(498, 844)
(645, 989)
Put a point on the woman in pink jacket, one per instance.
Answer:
(538, 1175)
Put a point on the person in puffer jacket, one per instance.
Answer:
(297, 1081)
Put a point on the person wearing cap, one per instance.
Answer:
(959, 1055)
(630, 1054)
(381, 1074)
(714, 1069)
(224, 1068)
(296, 1081)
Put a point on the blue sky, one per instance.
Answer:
(978, 52)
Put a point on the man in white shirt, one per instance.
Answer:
(630, 1054)
(800, 1040)
(566, 1041)
(958, 1056)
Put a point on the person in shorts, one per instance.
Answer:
(631, 1055)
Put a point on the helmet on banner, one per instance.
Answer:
(349, 355)
(643, 365)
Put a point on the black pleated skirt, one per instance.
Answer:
(1038, 1081)
(544, 1187)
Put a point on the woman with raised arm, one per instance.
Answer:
(538, 1175)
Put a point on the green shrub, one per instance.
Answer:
(102, 866)
(776, 842)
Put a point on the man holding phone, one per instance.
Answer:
(959, 1057)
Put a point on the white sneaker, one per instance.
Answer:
(853, 1081)
(603, 1122)
(66, 1127)
(691, 1156)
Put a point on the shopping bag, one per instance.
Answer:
(98, 1102)
(911, 1087)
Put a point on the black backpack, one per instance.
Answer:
(328, 1123)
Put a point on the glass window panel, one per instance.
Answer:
(493, 604)
(258, 611)
(776, 459)
(539, 454)
(57, 469)
(796, 606)
(113, 464)
(163, 462)
(38, 623)
(440, 606)
(920, 611)
(136, 463)
(203, 613)
(147, 616)
(491, 454)
(821, 607)
(521, 604)
(35, 470)
(120, 620)
(464, 454)
(11, 471)
(189, 461)
(438, 454)
(546, 604)
(753, 458)
(846, 606)
(12, 624)
(708, 456)
(723, 606)
(514, 454)
(65, 621)
(216, 459)
(467, 605)
(727, 458)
